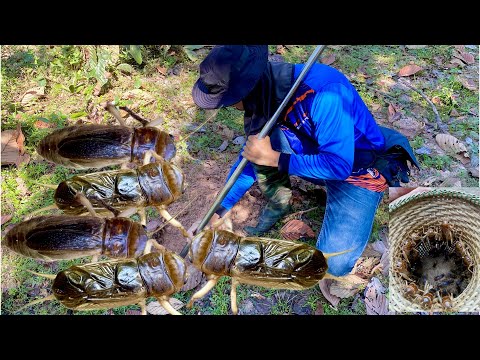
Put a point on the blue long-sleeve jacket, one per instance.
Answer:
(325, 122)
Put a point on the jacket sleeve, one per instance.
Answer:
(241, 186)
(333, 129)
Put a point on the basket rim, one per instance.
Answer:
(472, 198)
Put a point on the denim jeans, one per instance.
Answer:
(348, 219)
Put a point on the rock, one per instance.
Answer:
(423, 151)
(239, 140)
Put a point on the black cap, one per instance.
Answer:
(228, 74)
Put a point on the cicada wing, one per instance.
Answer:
(88, 143)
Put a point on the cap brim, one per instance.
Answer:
(214, 101)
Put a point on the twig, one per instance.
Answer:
(135, 115)
(199, 127)
(441, 126)
(291, 216)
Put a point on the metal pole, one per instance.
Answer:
(266, 129)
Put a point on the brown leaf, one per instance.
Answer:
(295, 229)
(454, 113)
(450, 143)
(364, 266)
(325, 289)
(193, 278)
(409, 126)
(409, 70)
(12, 147)
(5, 218)
(375, 299)
(39, 124)
(281, 49)
(32, 94)
(227, 133)
(455, 62)
(352, 285)
(464, 158)
(393, 114)
(465, 57)
(329, 59)
(451, 182)
(385, 262)
(319, 310)
(161, 69)
(468, 83)
(460, 48)
(155, 308)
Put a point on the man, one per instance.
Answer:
(325, 135)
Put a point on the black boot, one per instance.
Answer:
(269, 217)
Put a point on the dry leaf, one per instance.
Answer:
(364, 266)
(32, 94)
(465, 57)
(258, 296)
(409, 70)
(409, 126)
(295, 229)
(385, 262)
(347, 289)
(325, 289)
(329, 59)
(450, 143)
(162, 70)
(460, 48)
(22, 187)
(193, 278)
(468, 83)
(137, 94)
(39, 124)
(370, 251)
(281, 49)
(454, 113)
(5, 218)
(393, 114)
(375, 299)
(12, 147)
(451, 182)
(223, 146)
(227, 133)
(155, 308)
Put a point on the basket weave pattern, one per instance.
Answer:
(431, 209)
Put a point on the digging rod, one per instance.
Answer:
(266, 129)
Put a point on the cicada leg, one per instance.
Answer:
(172, 221)
(137, 117)
(212, 281)
(167, 306)
(112, 109)
(155, 244)
(85, 202)
(149, 154)
(233, 296)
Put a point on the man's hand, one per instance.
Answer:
(260, 152)
(213, 224)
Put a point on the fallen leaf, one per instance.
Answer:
(329, 59)
(393, 114)
(133, 312)
(193, 278)
(258, 296)
(460, 48)
(436, 100)
(155, 308)
(5, 218)
(364, 266)
(33, 93)
(223, 146)
(409, 126)
(13, 151)
(227, 133)
(379, 246)
(39, 124)
(325, 289)
(464, 158)
(347, 289)
(125, 68)
(370, 251)
(468, 83)
(281, 49)
(137, 94)
(375, 299)
(319, 310)
(295, 229)
(161, 69)
(385, 262)
(409, 70)
(465, 57)
(450, 143)
(451, 182)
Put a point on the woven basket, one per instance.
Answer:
(430, 209)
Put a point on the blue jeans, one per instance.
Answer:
(348, 219)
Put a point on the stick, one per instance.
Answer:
(437, 115)
(291, 216)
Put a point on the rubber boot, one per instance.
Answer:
(277, 189)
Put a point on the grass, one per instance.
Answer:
(69, 98)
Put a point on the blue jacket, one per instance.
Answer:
(325, 122)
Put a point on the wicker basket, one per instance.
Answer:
(430, 208)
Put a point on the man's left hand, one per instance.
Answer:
(260, 152)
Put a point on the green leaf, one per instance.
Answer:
(78, 114)
(191, 54)
(126, 68)
(136, 52)
(137, 84)
(97, 64)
